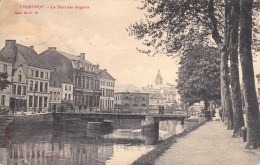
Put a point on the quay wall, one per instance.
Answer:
(34, 118)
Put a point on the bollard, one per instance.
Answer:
(244, 133)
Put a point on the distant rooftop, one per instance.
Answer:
(131, 88)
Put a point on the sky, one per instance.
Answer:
(99, 30)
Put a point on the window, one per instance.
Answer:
(3, 100)
(5, 68)
(36, 85)
(19, 90)
(69, 97)
(19, 78)
(58, 95)
(30, 101)
(50, 95)
(37, 73)
(46, 75)
(46, 87)
(66, 87)
(40, 101)
(45, 101)
(14, 89)
(31, 85)
(54, 95)
(134, 105)
(35, 101)
(69, 88)
(32, 72)
(65, 96)
(24, 90)
(41, 74)
(143, 105)
(41, 86)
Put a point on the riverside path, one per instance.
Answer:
(211, 144)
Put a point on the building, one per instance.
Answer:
(61, 90)
(35, 72)
(156, 101)
(84, 75)
(131, 98)
(19, 89)
(160, 90)
(107, 86)
(5, 67)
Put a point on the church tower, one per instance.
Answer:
(158, 79)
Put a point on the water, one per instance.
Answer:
(65, 144)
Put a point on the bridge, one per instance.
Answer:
(110, 116)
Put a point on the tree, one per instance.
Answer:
(170, 25)
(4, 83)
(199, 75)
(251, 104)
(234, 77)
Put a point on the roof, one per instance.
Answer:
(104, 74)
(71, 56)
(128, 88)
(4, 58)
(64, 79)
(55, 60)
(59, 79)
(29, 54)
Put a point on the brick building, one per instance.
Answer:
(84, 75)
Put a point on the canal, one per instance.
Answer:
(64, 143)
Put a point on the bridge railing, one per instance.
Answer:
(131, 111)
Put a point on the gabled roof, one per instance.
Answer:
(104, 74)
(4, 58)
(72, 57)
(55, 60)
(64, 79)
(59, 79)
(29, 54)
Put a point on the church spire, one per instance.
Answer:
(158, 79)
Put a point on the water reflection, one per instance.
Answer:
(71, 143)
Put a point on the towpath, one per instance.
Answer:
(211, 144)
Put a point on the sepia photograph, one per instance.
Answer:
(129, 82)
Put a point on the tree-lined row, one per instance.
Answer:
(173, 27)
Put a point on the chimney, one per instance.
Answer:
(105, 70)
(10, 49)
(82, 56)
(52, 48)
(32, 47)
